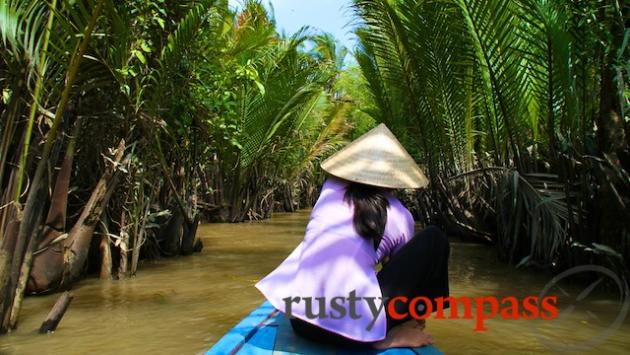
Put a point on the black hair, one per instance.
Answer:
(370, 210)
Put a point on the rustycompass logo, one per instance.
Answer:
(480, 308)
(585, 299)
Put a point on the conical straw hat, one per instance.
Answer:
(376, 158)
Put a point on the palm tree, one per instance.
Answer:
(85, 71)
(497, 99)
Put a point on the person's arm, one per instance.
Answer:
(407, 231)
(396, 237)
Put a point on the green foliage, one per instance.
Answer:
(220, 114)
(350, 85)
(530, 87)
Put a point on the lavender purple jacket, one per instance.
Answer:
(333, 260)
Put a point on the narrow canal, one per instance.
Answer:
(184, 306)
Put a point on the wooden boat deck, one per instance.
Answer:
(266, 331)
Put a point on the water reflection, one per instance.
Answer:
(184, 305)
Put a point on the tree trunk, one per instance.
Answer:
(106, 254)
(122, 246)
(48, 257)
(9, 227)
(170, 236)
(189, 237)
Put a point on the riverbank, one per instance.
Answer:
(184, 305)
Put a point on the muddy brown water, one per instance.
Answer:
(184, 305)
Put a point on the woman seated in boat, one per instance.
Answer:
(329, 286)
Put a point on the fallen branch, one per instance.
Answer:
(56, 313)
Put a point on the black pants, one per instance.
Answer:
(419, 268)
